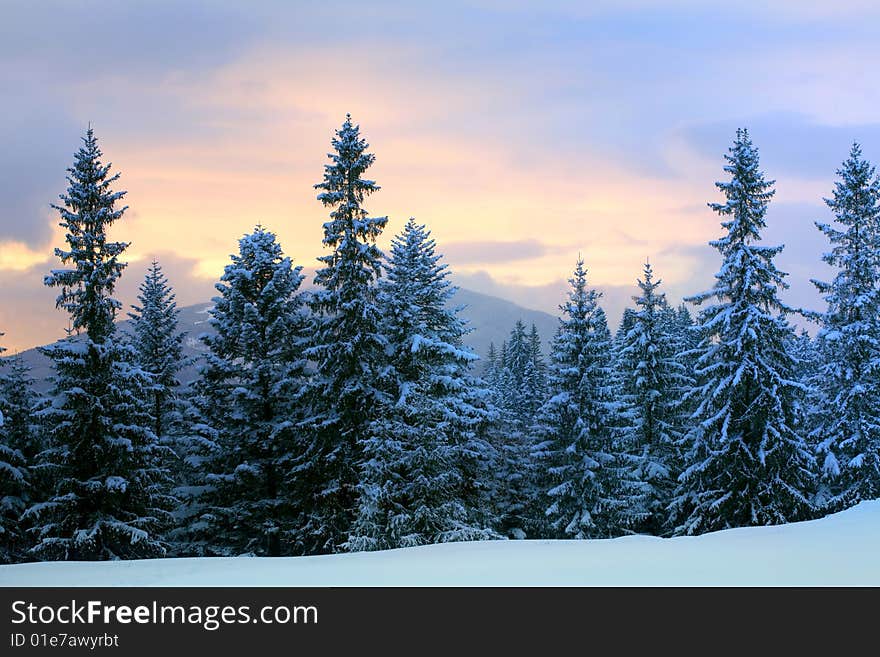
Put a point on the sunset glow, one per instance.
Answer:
(595, 136)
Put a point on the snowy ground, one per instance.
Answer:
(841, 549)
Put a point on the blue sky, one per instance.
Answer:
(522, 133)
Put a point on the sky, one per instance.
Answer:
(523, 134)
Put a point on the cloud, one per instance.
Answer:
(27, 314)
(687, 269)
(183, 274)
(469, 253)
(65, 63)
(38, 141)
(790, 144)
(92, 39)
(507, 129)
(790, 224)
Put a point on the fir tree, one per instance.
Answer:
(807, 359)
(16, 450)
(534, 389)
(746, 463)
(346, 393)
(686, 338)
(419, 480)
(159, 346)
(491, 366)
(574, 426)
(685, 333)
(109, 480)
(626, 323)
(655, 380)
(848, 431)
(13, 474)
(521, 389)
(513, 387)
(246, 396)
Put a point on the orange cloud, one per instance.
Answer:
(260, 128)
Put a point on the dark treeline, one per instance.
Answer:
(352, 417)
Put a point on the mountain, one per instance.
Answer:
(490, 320)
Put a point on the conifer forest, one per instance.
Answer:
(348, 413)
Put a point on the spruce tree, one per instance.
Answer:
(20, 444)
(684, 331)
(848, 431)
(534, 389)
(514, 383)
(654, 382)
(15, 439)
(495, 377)
(808, 359)
(491, 365)
(159, 346)
(521, 389)
(746, 462)
(623, 490)
(626, 324)
(576, 451)
(686, 337)
(345, 395)
(419, 478)
(108, 473)
(246, 398)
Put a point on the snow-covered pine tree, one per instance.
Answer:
(534, 390)
(494, 374)
(491, 367)
(520, 391)
(516, 356)
(848, 431)
(345, 395)
(109, 478)
(622, 489)
(13, 479)
(807, 359)
(246, 398)
(522, 377)
(576, 449)
(654, 380)
(625, 326)
(159, 346)
(493, 482)
(419, 480)
(687, 335)
(746, 462)
(686, 339)
(21, 484)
